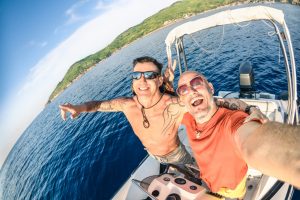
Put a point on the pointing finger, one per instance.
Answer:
(63, 114)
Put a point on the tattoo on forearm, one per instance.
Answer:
(91, 106)
(233, 106)
(226, 104)
(106, 106)
(229, 104)
(219, 103)
(98, 105)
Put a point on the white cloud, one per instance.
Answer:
(44, 76)
(34, 43)
(104, 5)
(72, 13)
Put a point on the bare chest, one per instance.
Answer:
(156, 124)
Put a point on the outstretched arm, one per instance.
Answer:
(114, 105)
(273, 148)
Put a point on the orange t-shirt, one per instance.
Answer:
(215, 149)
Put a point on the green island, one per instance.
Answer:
(178, 10)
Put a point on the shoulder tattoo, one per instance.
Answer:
(171, 114)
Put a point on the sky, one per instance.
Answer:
(40, 40)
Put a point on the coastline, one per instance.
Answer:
(165, 24)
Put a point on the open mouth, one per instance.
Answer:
(197, 102)
(143, 88)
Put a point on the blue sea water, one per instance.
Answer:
(92, 156)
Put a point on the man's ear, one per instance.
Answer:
(211, 88)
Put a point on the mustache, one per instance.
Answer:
(196, 95)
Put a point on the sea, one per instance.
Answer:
(92, 156)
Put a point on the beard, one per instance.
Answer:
(200, 115)
(203, 114)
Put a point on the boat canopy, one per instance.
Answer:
(236, 16)
(223, 18)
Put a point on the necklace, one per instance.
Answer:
(197, 131)
(197, 134)
(146, 122)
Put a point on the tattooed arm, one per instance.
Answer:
(114, 105)
(236, 104)
(232, 104)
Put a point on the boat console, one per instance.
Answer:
(176, 184)
(168, 186)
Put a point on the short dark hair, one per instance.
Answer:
(145, 59)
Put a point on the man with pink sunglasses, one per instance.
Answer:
(153, 114)
(224, 144)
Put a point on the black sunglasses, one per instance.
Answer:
(147, 75)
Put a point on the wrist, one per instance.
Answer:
(86, 107)
(249, 109)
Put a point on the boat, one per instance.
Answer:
(151, 181)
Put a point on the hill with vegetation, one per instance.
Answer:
(178, 10)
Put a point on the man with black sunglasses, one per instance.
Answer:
(224, 144)
(147, 112)
(153, 114)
